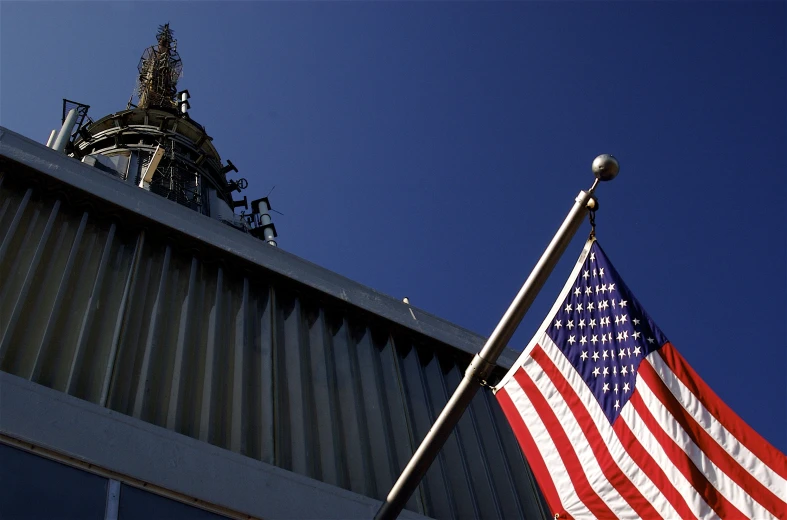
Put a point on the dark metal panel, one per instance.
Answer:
(19, 329)
(476, 467)
(507, 503)
(414, 363)
(396, 413)
(263, 379)
(182, 343)
(86, 326)
(329, 451)
(452, 459)
(29, 270)
(53, 311)
(241, 339)
(351, 414)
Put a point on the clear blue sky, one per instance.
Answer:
(430, 150)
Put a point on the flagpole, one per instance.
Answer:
(605, 168)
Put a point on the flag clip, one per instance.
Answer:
(479, 369)
(592, 207)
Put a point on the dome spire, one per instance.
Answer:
(159, 70)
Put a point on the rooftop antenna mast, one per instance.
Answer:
(159, 71)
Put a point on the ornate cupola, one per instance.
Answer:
(157, 146)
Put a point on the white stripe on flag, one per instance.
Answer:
(736, 449)
(646, 439)
(618, 453)
(549, 454)
(720, 480)
(579, 443)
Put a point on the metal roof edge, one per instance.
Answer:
(65, 169)
(140, 451)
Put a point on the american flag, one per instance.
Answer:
(616, 424)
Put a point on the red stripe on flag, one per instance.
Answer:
(650, 467)
(761, 448)
(680, 460)
(708, 444)
(609, 468)
(530, 450)
(555, 429)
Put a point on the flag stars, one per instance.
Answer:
(635, 321)
(605, 388)
(620, 336)
(622, 353)
(651, 340)
(594, 339)
(581, 324)
(624, 370)
(584, 355)
(558, 324)
(568, 307)
(596, 372)
(623, 318)
(595, 355)
(617, 404)
(570, 324)
(588, 292)
(592, 257)
(637, 350)
(626, 387)
(605, 355)
(616, 389)
(625, 335)
(603, 340)
(622, 303)
(603, 288)
(572, 340)
(595, 273)
(590, 305)
(611, 287)
(586, 274)
(605, 371)
(601, 272)
(636, 335)
(592, 323)
(583, 340)
(579, 307)
(617, 318)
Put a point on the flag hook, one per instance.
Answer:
(592, 207)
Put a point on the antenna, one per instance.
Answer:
(159, 71)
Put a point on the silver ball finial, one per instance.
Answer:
(605, 167)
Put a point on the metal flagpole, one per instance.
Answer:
(605, 168)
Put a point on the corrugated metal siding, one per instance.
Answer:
(241, 359)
